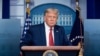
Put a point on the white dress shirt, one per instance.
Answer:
(47, 30)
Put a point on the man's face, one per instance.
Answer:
(51, 18)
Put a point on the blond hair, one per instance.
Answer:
(50, 9)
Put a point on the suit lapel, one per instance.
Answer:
(56, 37)
(43, 34)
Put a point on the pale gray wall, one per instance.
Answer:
(0, 9)
(83, 7)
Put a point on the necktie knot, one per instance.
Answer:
(50, 28)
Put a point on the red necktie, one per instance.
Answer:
(51, 43)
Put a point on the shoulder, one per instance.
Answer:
(59, 27)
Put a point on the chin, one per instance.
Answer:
(52, 25)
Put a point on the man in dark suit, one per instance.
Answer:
(47, 33)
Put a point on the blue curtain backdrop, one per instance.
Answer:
(93, 9)
(5, 9)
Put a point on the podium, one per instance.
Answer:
(56, 50)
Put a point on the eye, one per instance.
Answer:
(49, 16)
(54, 17)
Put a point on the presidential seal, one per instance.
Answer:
(50, 53)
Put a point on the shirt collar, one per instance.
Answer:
(47, 27)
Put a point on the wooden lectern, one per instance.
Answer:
(59, 50)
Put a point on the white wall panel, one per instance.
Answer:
(17, 10)
(16, 2)
(0, 9)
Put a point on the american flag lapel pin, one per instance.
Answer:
(57, 31)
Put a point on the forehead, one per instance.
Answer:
(51, 12)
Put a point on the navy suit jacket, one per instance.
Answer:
(36, 36)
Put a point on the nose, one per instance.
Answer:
(51, 19)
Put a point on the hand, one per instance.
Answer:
(21, 54)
